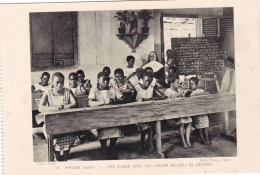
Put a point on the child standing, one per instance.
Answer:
(228, 81)
(130, 69)
(201, 121)
(145, 93)
(101, 95)
(54, 99)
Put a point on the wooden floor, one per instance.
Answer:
(129, 147)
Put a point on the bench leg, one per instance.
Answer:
(159, 139)
(50, 149)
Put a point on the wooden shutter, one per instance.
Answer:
(53, 39)
(210, 26)
(41, 40)
(227, 32)
(63, 39)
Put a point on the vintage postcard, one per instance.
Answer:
(132, 87)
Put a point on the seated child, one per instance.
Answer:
(74, 86)
(172, 74)
(145, 93)
(134, 80)
(43, 85)
(108, 71)
(82, 82)
(55, 99)
(101, 95)
(174, 91)
(123, 85)
(155, 82)
(130, 69)
(201, 121)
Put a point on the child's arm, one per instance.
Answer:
(73, 102)
(161, 95)
(44, 102)
(230, 81)
(130, 76)
(157, 84)
(92, 103)
(130, 88)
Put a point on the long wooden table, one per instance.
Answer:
(82, 119)
(81, 99)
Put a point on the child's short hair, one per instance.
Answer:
(119, 71)
(130, 57)
(148, 74)
(195, 79)
(102, 74)
(231, 60)
(74, 75)
(57, 74)
(81, 72)
(107, 68)
(139, 70)
(170, 53)
(46, 73)
(147, 69)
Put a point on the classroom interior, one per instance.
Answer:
(90, 41)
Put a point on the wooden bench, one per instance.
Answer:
(82, 119)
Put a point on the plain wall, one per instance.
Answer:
(98, 45)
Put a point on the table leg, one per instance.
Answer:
(226, 123)
(50, 149)
(159, 139)
(151, 137)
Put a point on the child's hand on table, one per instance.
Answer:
(61, 107)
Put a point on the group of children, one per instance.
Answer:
(126, 86)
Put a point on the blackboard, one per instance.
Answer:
(199, 55)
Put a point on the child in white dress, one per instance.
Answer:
(101, 95)
(130, 69)
(145, 93)
(54, 99)
(201, 121)
(228, 82)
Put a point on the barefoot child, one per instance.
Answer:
(145, 93)
(101, 95)
(55, 99)
(201, 121)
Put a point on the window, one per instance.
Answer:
(53, 40)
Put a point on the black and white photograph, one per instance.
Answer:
(133, 84)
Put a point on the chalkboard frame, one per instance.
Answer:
(218, 61)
